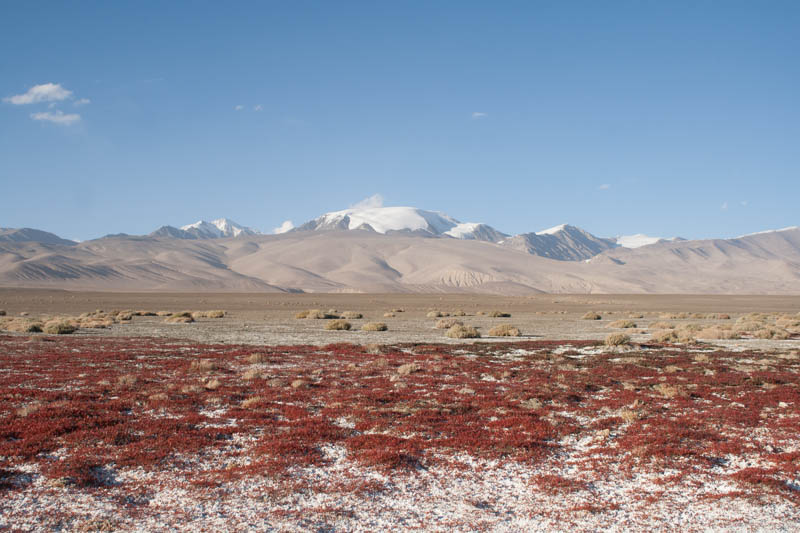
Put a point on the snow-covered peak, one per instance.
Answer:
(219, 228)
(553, 230)
(636, 241)
(402, 219)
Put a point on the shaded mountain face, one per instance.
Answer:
(564, 243)
(409, 220)
(31, 235)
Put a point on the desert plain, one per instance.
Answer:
(606, 412)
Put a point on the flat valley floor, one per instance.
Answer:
(263, 421)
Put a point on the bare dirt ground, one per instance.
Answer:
(257, 318)
(260, 421)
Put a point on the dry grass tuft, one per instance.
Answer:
(255, 358)
(59, 327)
(338, 325)
(126, 380)
(661, 325)
(203, 365)
(215, 313)
(617, 339)
(28, 409)
(664, 335)
(388, 315)
(183, 317)
(715, 332)
(622, 324)
(22, 325)
(398, 310)
(301, 314)
(505, 330)
(463, 332)
(212, 384)
(498, 314)
(352, 315)
(374, 326)
(459, 312)
(158, 397)
(669, 391)
(447, 323)
(251, 402)
(436, 314)
(252, 373)
(591, 315)
(319, 314)
(408, 368)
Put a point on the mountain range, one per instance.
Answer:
(400, 249)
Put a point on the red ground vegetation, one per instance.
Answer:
(82, 408)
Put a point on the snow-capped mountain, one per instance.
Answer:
(216, 229)
(564, 242)
(387, 220)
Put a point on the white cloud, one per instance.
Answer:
(376, 200)
(82, 101)
(46, 92)
(724, 205)
(743, 203)
(57, 117)
(239, 107)
(259, 107)
(604, 186)
(478, 114)
(283, 228)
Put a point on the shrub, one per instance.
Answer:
(716, 333)
(459, 312)
(338, 325)
(398, 310)
(145, 313)
(251, 373)
(163, 313)
(661, 325)
(203, 365)
(664, 335)
(462, 332)
(388, 315)
(255, 358)
(436, 314)
(212, 384)
(351, 315)
(179, 319)
(24, 326)
(617, 339)
(59, 327)
(215, 313)
(374, 326)
(498, 314)
(125, 316)
(447, 323)
(301, 314)
(505, 330)
(591, 315)
(408, 368)
(251, 402)
(622, 324)
(2, 312)
(319, 314)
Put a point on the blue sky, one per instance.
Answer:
(668, 118)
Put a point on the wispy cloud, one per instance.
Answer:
(82, 101)
(743, 203)
(287, 225)
(238, 107)
(604, 186)
(57, 117)
(479, 114)
(258, 107)
(376, 200)
(46, 92)
(724, 205)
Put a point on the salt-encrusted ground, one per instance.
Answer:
(145, 434)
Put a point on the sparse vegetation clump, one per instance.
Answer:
(505, 330)
(617, 339)
(301, 314)
(388, 315)
(591, 315)
(338, 325)
(145, 313)
(447, 323)
(203, 365)
(498, 314)
(460, 331)
(255, 358)
(180, 318)
(319, 314)
(24, 326)
(622, 324)
(374, 326)
(2, 312)
(436, 314)
(459, 312)
(59, 327)
(351, 315)
(662, 325)
(664, 335)
(216, 313)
